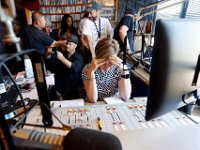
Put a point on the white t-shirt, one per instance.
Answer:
(81, 25)
(90, 29)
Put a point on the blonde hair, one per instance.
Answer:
(106, 48)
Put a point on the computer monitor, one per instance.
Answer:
(174, 59)
(7, 99)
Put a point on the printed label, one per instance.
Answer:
(39, 72)
(2, 88)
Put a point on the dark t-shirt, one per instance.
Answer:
(127, 21)
(36, 39)
(67, 80)
(2, 48)
(54, 34)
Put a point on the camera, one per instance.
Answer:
(54, 49)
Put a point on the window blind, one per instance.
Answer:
(193, 11)
(172, 12)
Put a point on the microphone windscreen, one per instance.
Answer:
(89, 139)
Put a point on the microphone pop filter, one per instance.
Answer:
(89, 139)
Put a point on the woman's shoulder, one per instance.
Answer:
(115, 70)
(115, 67)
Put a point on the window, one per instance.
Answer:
(193, 11)
(171, 12)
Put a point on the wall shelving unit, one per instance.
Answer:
(55, 9)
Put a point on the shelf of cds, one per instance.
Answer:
(55, 9)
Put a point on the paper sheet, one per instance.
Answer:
(67, 103)
(113, 100)
(140, 99)
(50, 79)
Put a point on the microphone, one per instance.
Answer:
(76, 139)
(89, 139)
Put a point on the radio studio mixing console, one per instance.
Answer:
(117, 117)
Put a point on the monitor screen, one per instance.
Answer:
(174, 59)
(10, 96)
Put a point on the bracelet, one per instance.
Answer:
(92, 79)
(125, 72)
(125, 76)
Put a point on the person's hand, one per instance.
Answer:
(48, 52)
(116, 61)
(95, 63)
(59, 55)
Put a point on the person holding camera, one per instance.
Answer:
(67, 64)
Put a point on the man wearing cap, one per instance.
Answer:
(67, 65)
(97, 28)
(125, 28)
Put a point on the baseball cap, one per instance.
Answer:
(94, 6)
(72, 38)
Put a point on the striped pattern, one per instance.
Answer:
(107, 82)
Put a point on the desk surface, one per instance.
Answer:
(175, 138)
(172, 138)
(32, 94)
(169, 138)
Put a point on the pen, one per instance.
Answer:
(99, 123)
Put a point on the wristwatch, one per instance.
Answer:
(125, 76)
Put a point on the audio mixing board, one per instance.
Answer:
(117, 117)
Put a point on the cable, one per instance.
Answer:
(127, 66)
(143, 41)
(22, 118)
(16, 86)
(197, 70)
(124, 54)
(65, 127)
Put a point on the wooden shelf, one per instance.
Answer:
(65, 5)
(64, 13)
(59, 21)
(55, 11)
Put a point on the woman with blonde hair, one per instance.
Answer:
(104, 76)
